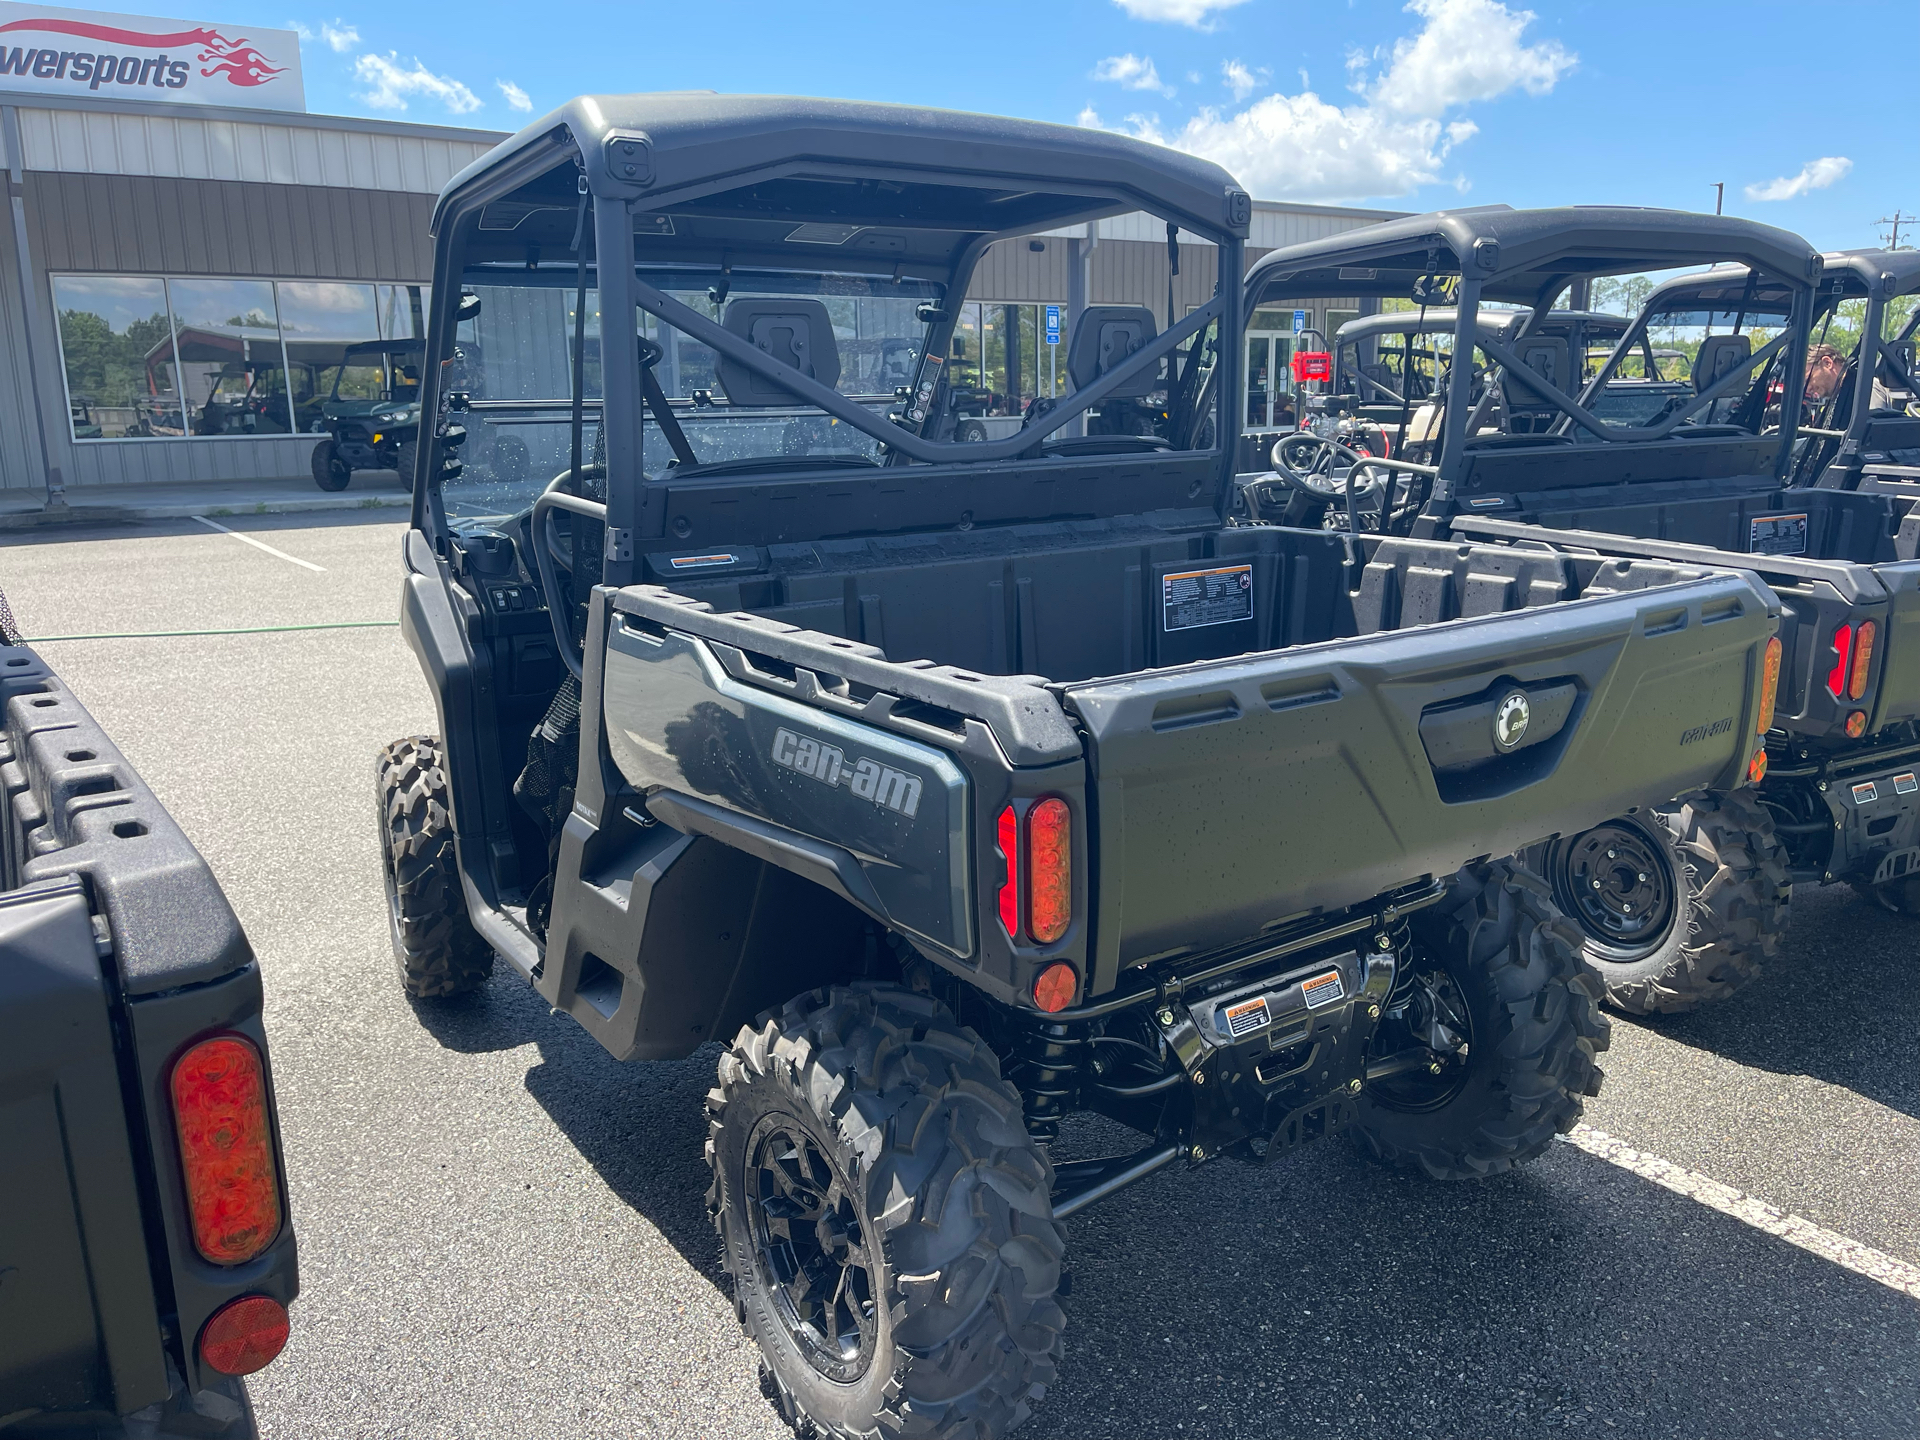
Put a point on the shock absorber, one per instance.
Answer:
(1049, 1059)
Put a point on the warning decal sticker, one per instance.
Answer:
(1193, 598)
(1247, 1016)
(1865, 793)
(1778, 535)
(1323, 989)
(1906, 784)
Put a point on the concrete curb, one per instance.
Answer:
(135, 514)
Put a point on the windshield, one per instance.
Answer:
(514, 361)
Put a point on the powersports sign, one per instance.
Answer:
(132, 57)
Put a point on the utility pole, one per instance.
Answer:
(1895, 220)
(1719, 195)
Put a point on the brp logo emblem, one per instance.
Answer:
(1510, 720)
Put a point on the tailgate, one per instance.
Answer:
(1233, 794)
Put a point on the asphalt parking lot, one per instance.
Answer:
(503, 1231)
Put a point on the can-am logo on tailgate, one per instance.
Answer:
(869, 779)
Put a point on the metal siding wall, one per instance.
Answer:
(263, 152)
(125, 224)
(21, 465)
(1125, 272)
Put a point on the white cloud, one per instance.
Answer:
(1131, 72)
(339, 35)
(1468, 50)
(517, 99)
(1242, 81)
(1815, 175)
(1398, 135)
(1197, 13)
(391, 83)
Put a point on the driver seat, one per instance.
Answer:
(1719, 356)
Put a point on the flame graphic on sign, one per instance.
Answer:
(235, 59)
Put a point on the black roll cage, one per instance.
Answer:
(610, 230)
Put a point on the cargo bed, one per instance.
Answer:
(1272, 722)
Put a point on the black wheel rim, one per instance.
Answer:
(1617, 882)
(811, 1249)
(1424, 1016)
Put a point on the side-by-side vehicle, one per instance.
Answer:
(959, 787)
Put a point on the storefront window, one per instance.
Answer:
(332, 335)
(403, 311)
(118, 354)
(227, 335)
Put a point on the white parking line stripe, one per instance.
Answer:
(249, 540)
(1794, 1229)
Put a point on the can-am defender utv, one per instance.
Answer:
(1865, 434)
(1680, 905)
(958, 787)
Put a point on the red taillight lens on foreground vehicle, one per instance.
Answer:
(226, 1150)
(1049, 870)
(1769, 686)
(244, 1335)
(1037, 886)
(1852, 658)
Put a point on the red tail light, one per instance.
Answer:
(226, 1149)
(1008, 834)
(1842, 660)
(1049, 870)
(1862, 658)
(244, 1335)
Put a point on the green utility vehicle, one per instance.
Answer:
(958, 788)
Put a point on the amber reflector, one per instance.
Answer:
(1053, 991)
(226, 1149)
(1856, 724)
(1049, 870)
(244, 1336)
(1862, 658)
(1757, 767)
(1769, 685)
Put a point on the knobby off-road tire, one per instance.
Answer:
(439, 951)
(1723, 881)
(869, 1106)
(404, 457)
(1535, 1030)
(330, 472)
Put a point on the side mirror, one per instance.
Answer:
(467, 309)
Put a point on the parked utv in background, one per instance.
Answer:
(146, 1255)
(1680, 905)
(377, 433)
(1866, 434)
(959, 786)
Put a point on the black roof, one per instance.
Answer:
(1517, 253)
(668, 152)
(1860, 268)
(1725, 287)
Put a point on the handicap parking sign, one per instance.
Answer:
(1299, 321)
(1053, 324)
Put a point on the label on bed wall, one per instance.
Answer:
(1778, 535)
(1192, 598)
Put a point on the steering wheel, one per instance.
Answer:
(1306, 461)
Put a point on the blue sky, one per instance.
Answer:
(1441, 102)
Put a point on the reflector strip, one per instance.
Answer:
(1007, 834)
(1842, 657)
(1862, 659)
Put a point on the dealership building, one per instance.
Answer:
(189, 253)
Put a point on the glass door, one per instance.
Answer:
(1270, 404)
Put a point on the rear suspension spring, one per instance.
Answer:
(1049, 1061)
